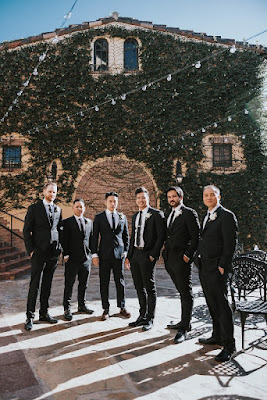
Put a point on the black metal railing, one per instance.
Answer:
(11, 229)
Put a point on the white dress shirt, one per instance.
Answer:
(176, 211)
(144, 215)
(109, 217)
(209, 213)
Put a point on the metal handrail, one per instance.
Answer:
(11, 226)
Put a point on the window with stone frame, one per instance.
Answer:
(130, 55)
(222, 155)
(101, 55)
(11, 157)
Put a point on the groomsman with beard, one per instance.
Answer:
(218, 240)
(148, 232)
(180, 246)
(41, 236)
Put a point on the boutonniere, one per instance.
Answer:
(148, 215)
(55, 209)
(213, 216)
(120, 215)
(180, 212)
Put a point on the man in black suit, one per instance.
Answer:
(180, 246)
(77, 236)
(148, 233)
(218, 240)
(41, 236)
(112, 228)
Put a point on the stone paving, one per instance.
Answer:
(88, 359)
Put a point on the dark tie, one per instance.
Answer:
(207, 219)
(113, 221)
(50, 215)
(172, 218)
(139, 229)
(81, 225)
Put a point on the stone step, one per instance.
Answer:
(11, 256)
(6, 249)
(7, 266)
(15, 273)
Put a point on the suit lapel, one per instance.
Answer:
(43, 212)
(218, 210)
(106, 219)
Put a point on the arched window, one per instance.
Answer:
(101, 55)
(130, 55)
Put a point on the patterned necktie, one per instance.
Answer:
(50, 215)
(113, 221)
(139, 229)
(172, 218)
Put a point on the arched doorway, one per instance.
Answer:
(118, 174)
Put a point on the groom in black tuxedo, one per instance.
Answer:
(77, 236)
(180, 246)
(148, 233)
(112, 228)
(41, 235)
(218, 240)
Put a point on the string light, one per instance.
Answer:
(203, 130)
(169, 78)
(233, 49)
(229, 118)
(198, 65)
(40, 60)
(246, 111)
(215, 125)
(113, 102)
(144, 88)
(123, 96)
(96, 108)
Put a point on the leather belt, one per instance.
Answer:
(138, 248)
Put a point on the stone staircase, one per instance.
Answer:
(14, 261)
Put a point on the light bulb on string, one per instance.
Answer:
(229, 118)
(96, 108)
(37, 130)
(81, 114)
(243, 136)
(26, 83)
(203, 130)
(233, 49)
(19, 93)
(68, 119)
(46, 126)
(144, 88)
(35, 72)
(215, 125)
(10, 108)
(57, 123)
(42, 57)
(192, 134)
(246, 112)
(55, 40)
(198, 64)
(67, 16)
(15, 101)
(123, 96)
(113, 102)
(169, 78)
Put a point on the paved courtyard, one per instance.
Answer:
(91, 359)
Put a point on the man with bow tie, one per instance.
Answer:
(180, 246)
(41, 235)
(112, 228)
(218, 240)
(77, 236)
(148, 232)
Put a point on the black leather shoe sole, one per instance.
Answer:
(50, 320)
(210, 341)
(85, 310)
(139, 322)
(68, 316)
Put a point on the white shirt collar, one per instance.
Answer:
(214, 209)
(45, 202)
(178, 208)
(110, 212)
(77, 217)
(145, 210)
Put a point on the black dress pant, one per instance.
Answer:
(181, 275)
(46, 263)
(105, 267)
(73, 268)
(214, 286)
(143, 273)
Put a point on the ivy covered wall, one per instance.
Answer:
(151, 126)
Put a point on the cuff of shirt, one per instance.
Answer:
(94, 255)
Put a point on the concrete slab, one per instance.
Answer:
(90, 359)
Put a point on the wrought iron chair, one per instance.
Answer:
(249, 278)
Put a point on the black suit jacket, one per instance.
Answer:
(218, 239)
(183, 234)
(37, 228)
(77, 244)
(154, 233)
(112, 243)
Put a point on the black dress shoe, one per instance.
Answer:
(48, 318)
(225, 355)
(173, 326)
(211, 341)
(180, 336)
(67, 315)
(28, 324)
(84, 309)
(148, 325)
(139, 322)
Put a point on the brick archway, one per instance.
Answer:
(118, 174)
